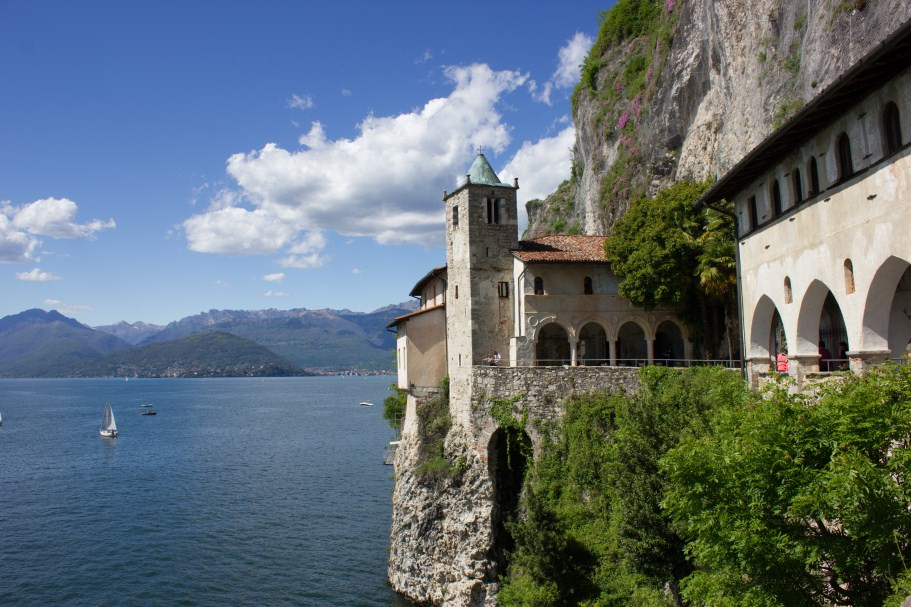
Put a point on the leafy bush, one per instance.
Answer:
(593, 532)
(434, 423)
(787, 502)
(394, 406)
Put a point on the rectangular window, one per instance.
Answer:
(457, 291)
(503, 289)
(489, 210)
(455, 215)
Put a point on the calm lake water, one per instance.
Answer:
(239, 492)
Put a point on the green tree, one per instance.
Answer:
(787, 502)
(669, 254)
(593, 532)
(394, 406)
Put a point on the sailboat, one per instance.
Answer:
(1, 420)
(108, 425)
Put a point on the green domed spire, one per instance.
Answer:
(482, 173)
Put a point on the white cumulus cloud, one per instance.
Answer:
(277, 277)
(20, 226)
(36, 275)
(540, 166)
(385, 183)
(569, 62)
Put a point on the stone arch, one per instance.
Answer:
(593, 349)
(552, 345)
(761, 330)
(879, 306)
(508, 454)
(669, 343)
(632, 343)
(811, 306)
(820, 319)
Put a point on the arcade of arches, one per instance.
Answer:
(633, 343)
(824, 330)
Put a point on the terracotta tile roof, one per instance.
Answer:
(404, 317)
(556, 248)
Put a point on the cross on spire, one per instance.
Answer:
(480, 150)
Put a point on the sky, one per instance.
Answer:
(160, 159)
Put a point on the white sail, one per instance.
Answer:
(108, 425)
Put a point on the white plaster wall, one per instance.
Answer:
(867, 220)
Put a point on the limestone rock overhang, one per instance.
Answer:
(400, 319)
(889, 59)
(562, 249)
(438, 271)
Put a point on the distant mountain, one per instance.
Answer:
(214, 354)
(132, 333)
(312, 339)
(36, 343)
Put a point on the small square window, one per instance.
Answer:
(503, 289)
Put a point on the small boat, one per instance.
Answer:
(108, 427)
(366, 404)
(149, 413)
(1, 420)
(147, 405)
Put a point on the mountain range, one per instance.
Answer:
(38, 343)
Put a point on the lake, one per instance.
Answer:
(238, 492)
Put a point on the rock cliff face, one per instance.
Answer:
(690, 97)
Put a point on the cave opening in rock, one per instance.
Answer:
(509, 451)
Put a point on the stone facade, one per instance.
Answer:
(442, 534)
(824, 254)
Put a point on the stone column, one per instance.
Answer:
(612, 349)
(573, 352)
(860, 360)
(800, 365)
(650, 349)
(758, 368)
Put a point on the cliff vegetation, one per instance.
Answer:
(696, 491)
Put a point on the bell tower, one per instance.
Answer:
(481, 234)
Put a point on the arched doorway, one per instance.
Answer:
(887, 325)
(508, 453)
(669, 344)
(592, 345)
(778, 344)
(552, 348)
(632, 347)
(833, 337)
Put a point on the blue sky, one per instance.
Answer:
(158, 159)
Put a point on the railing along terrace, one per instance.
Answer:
(620, 362)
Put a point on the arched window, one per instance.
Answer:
(892, 129)
(788, 296)
(849, 276)
(776, 199)
(798, 186)
(814, 177)
(587, 285)
(539, 285)
(845, 165)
